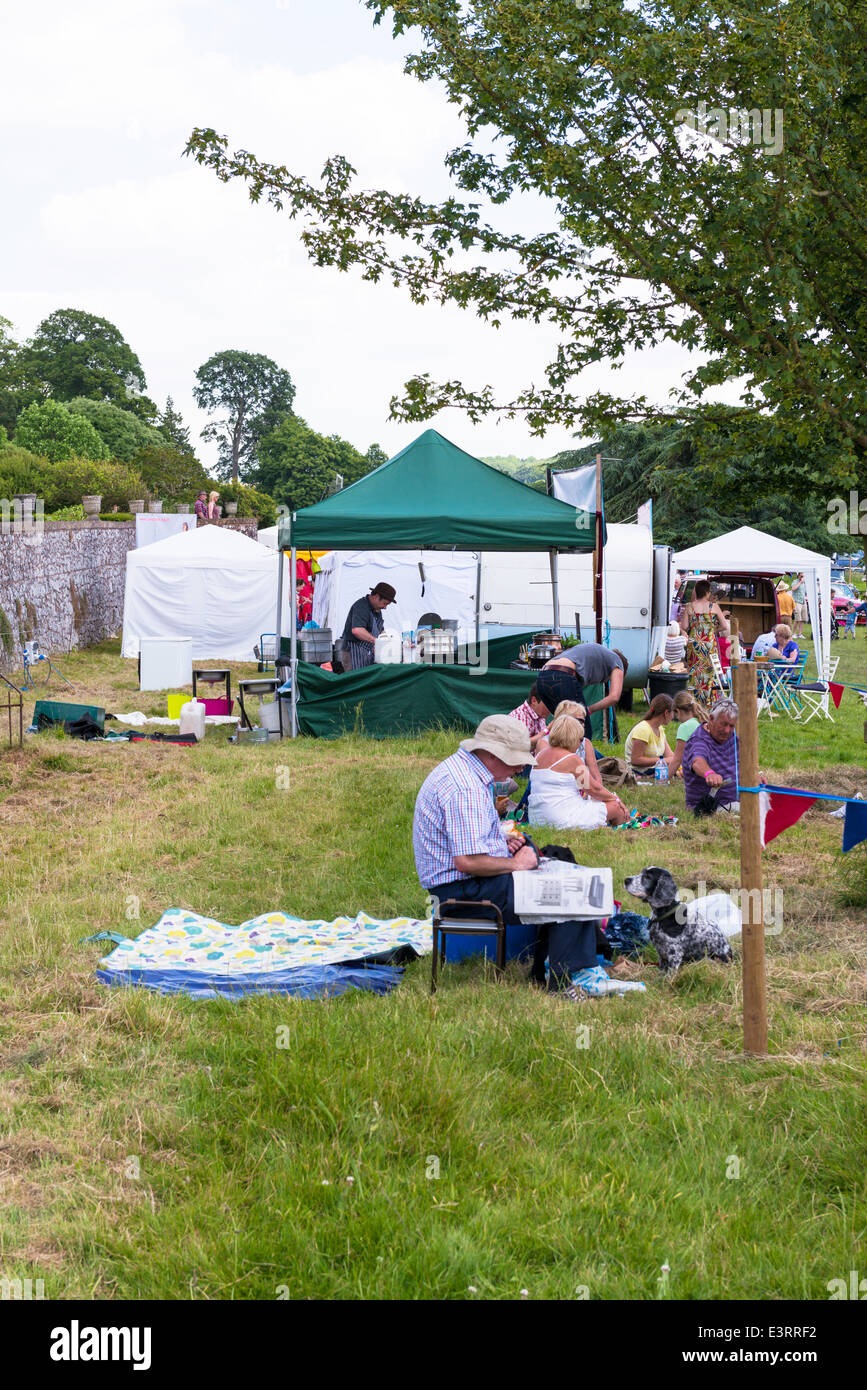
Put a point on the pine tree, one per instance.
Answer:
(176, 432)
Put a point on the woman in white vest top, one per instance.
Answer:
(559, 784)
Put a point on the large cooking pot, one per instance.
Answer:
(543, 651)
(549, 639)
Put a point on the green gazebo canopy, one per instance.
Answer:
(434, 495)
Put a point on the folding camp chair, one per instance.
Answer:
(814, 695)
(722, 678)
(466, 926)
(780, 687)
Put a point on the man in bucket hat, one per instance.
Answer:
(461, 851)
(365, 624)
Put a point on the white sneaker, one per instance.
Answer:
(595, 982)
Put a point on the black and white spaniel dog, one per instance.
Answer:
(679, 936)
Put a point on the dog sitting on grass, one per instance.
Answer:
(678, 935)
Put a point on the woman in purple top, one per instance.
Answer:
(710, 759)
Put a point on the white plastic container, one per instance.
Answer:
(192, 719)
(269, 716)
(387, 649)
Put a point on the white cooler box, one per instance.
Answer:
(165, 663)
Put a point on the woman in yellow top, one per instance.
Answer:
(647, 744)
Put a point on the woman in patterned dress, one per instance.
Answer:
(701, 620)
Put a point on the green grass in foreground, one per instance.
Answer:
(160, 1147)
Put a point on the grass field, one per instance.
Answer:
(158, 1147)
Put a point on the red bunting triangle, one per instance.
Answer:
(779, 811)
(836, 693)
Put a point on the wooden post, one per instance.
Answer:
(752, 913)
(735, 640)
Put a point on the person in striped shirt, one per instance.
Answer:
(461, 851)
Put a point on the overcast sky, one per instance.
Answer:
(102, 213)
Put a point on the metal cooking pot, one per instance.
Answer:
(548, 639)
(544, 652)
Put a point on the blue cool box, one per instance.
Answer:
(520, 941)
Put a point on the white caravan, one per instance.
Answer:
(515, 591)
(636, 593)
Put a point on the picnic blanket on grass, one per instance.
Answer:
(275, 953)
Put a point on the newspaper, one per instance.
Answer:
(561, 892)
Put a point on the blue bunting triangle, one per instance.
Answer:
(855, 824)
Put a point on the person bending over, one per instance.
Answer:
(565, 676)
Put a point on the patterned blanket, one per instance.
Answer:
(274, 953)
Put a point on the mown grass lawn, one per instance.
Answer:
(157, 1147)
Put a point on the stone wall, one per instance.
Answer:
(63, 584)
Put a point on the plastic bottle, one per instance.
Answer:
(192, 720)
(660, 772)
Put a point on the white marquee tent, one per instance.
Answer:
(212, 584)
(748, 551)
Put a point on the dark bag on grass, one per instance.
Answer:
(615, 772)
(84, 727)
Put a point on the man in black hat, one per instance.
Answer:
(365, 624)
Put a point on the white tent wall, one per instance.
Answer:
(449, 586)
(748, 551)
(213, 585)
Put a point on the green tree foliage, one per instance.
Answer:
(251, 502)
(48, 428)
(172, 427)
(78, 354)
(690, 505)
(297, 467)
(252, 393)
(70, 480)
(123, 433)
(524, 470)
(734, 229)
(170, 473)
(18, 386)
(21, 471)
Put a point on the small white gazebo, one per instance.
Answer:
(748, 551)
(212, 584)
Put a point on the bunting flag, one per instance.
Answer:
(778, 811)
(855, 824)
(836, 693)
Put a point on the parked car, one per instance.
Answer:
(842, 594)
(751, 598)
